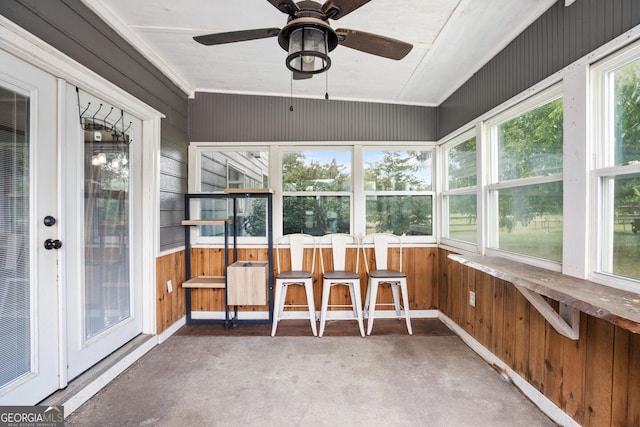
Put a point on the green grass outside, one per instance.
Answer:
(542, 238)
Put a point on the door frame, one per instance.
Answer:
(39, 88)
(24, 45)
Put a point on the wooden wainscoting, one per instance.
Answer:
(170, 306)
(420, 264)
(595, 380)
(210, 262)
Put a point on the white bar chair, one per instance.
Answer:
(380, 271)
(335, 273)
(302, 248)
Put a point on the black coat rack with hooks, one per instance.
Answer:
(109, 131)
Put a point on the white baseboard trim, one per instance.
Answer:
(541, 401)
(219, 315)
(166, 334)
(303, 314)
(413, 314)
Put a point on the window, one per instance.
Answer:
(398, 192)
(459, 195)
(316, 192)
(617, 110)
(220, 169)
(525, 189)
(319, 190)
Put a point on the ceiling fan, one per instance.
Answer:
(308, 37)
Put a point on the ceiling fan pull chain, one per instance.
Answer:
(326, 75)
(291, 94)
(326, 86)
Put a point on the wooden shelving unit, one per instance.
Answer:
(211, 282)
(252, 291)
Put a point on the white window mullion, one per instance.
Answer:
(275, 182)
(482, 162)
(358, 223)
(576, 167)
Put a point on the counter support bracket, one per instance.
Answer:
(566, 321)
(575, 295)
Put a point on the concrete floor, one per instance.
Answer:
(395, 380)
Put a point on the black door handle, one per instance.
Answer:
(52, 244)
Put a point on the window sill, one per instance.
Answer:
(622, 308)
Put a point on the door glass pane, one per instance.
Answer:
(106, 212)
(15, 328)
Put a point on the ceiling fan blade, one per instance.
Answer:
(301, 76)
(285, 6)
(336, 9)
(236, 36)
(373, 43)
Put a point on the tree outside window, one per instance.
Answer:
(398, 192)
(460, 200)
(526, 188)
(316, 192)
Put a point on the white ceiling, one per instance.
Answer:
(452, 39)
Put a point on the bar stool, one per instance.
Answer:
(383, 273)
(336, 273)
(299, 246)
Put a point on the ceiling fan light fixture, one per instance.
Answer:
(308, 50)
(308, 37)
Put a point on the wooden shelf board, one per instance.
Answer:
(617, 306)
(212, 282)
(203, 221)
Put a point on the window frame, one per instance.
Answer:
(493, 185)
(446, 192)
(362, 193)
(356, 194)
(317, 193)
(604, 166)
(195, 178)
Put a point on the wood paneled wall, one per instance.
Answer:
(595, 380)
(170, 306)
(419, 264)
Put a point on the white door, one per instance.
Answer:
(102, 183)
(29, 288)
